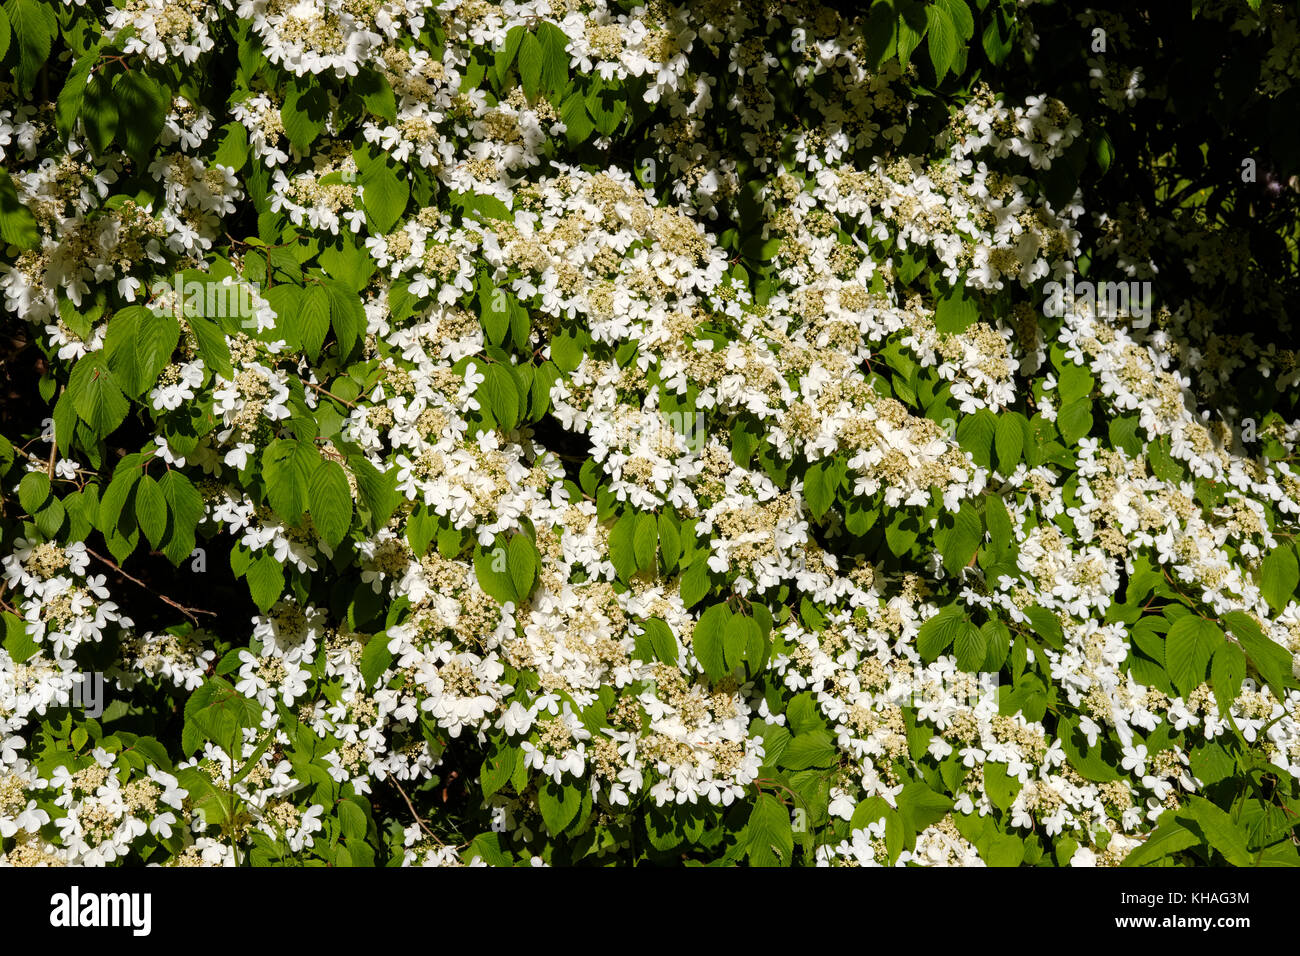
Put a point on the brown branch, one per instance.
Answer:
(189, 612)
(418, 819)
(5, 604)
(324, 391)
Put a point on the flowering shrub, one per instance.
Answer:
(582, 431)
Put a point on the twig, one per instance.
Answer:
(189, 612)
(324, 391)
(418, 819)
(5, 604)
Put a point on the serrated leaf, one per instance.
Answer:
(1278, 576)
(150, 509)
(329, 499)
(146, 102)
(769, 838)
(941, 39)
(96, 396)
(186, 507)
(384, 196)
(708, 643)
(265, 581)
(1189, 646)
(33, 491)
(17, 224)
(1009, 439)
(522, 563)
(559, 804)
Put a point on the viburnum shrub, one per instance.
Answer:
(595, 432)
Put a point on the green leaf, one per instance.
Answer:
(372, 86)
(555, 61)
(531, 57)
(146, 102)
(943, 630)
(920, 806)
(139, 345)
(1010, 441)
(150, 509)
(961, 542)
(662, 641)
(73, 94)
(375, 659)
(1000, 786)
(1088, 760)
(501, 392)
(17, 224)
(954, 312)
(265, 581)
(645, 540)
(99, 113)
(1278, 576)
(1189, 646)
(743, 643)
(18, 641)
(1075, 382)
(384, 195)
(769, 839)
(970, 645)
(559, 804)
(962, 19)
(577, 121)
(1075, 420)
(313, 321)
(1170, 837)
(975, 434)
(304, 112)
(96, 396)
(997, 642)
(695, 583)
(1227, 671)
(185, 505)
(997, 38)
(498, 769)
(213, 348)
(329, 499)
(375, 489)
(33, 491)
(33, 26)
(1222, 834)
(880, 32)
(505, 57)
(522, 562)
(941, 39)
(813, 749)
(232, 151)
(352, 820)
(1271, 659)
(708, 642)
(818, 491)
(622, 549)
(494, 304)
(1046, 625)
(346, 315)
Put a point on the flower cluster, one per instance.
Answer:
(575, 431)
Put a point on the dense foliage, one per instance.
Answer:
(595, 432)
